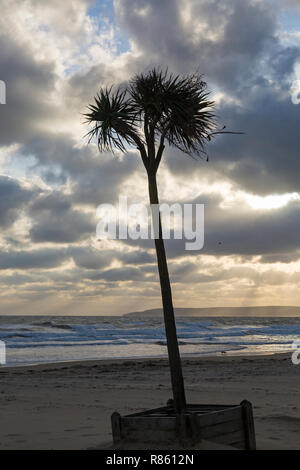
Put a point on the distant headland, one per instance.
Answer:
(266, 311)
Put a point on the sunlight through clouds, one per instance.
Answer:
(273, 201)
(54, 57)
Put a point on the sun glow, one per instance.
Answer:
(272, 201)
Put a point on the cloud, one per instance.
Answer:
(291, 3)
(119, 274)
(47, 258)
(88, 257)
(54, 220)
(29, 84)
(54, 58)
(247, 63)
(207, 35)
(269, 235)
(95, 178)
(265, 159)
(13, 198)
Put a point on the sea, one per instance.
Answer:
(30, 340)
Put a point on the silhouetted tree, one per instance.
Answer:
(157, 108)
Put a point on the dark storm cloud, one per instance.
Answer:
(59, 150)
(223, 39)
(53, 202)
(65, 228)
(13, 198)
(28, 85)
(255, 233)
(42, 259)
(84, 86)
(236, 45)
(246, 60)
(95, 177)
(272, 235)
(89, 258)
(100, 183)
(137, 257)
(266, 158)
(54, 220)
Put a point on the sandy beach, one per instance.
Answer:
(68, 406)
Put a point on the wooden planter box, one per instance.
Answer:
(230, 425)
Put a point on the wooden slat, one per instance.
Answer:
(149, 422)
(219, 416)
(116, 427)
(212, 407)
(206, 419)
(139, 429)
(221, 429)
(249, 425)
(149, 412)
(239, 444)
(190, 407)
(230, 438)
(224, 424)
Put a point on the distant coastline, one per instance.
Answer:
(267, 311)
(234, 312)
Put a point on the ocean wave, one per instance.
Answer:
(65, 337)
(52, 324)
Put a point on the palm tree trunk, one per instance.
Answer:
(169, 318)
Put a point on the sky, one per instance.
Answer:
(54, 57)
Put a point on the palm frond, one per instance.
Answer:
(179, 108)
(172, 108)
(114, 119)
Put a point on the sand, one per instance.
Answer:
(68, 406)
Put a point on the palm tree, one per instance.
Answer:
(157, 108)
